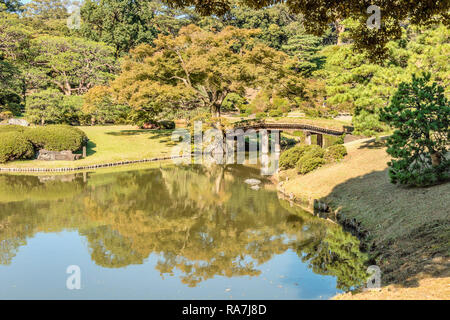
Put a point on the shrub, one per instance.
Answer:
(275, 113)
(335, 153)
(281, 104)
(307, 164)
(13, 146)
(314, 151)
(5, 115)
(260, 115)
(312, 158)
(168, 125)
(12, 128)
(287, 142)
(290, 157)
(340, 140)
(56, 138)
(233, 101)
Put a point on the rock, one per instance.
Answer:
(18, 122)
(252, 182)
(46, 155)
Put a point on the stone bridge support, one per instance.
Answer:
(308, 139)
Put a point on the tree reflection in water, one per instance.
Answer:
(200, 221)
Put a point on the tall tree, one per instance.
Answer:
(196, 67)
(124, 24)
(73, 65)
(319, 14)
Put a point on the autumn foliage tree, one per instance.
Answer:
(420, 113)
(197, 68)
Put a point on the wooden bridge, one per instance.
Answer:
(309, 130)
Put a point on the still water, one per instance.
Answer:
(176, 232)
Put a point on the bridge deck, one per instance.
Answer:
(292, 126)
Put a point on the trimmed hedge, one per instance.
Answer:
(14, 146)
(56, 138)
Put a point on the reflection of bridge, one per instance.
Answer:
(309, 130)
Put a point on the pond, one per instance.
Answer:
(173, 232)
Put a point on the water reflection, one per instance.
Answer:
(202, 222)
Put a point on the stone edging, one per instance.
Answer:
(91, 167)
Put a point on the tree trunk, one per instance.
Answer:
(435, 159)
(339, 29)
(216, 110)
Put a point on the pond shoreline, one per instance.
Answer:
(89, 167)
(404, 230)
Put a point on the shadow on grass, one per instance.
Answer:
(373, 144)
(404, 257)
(164, 136)
(89, 150)
(131, 132)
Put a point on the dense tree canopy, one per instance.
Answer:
(124, 24)
(355, 85)
(73, 65)
(320, 13)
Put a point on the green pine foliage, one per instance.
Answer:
(354, 84)
(420, 114)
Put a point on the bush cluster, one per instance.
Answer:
(290, 157)
(275, 113)
(307, 164)
(311, 159)
(14, 146)
(335, 153)
(18, 142)
(306, 158)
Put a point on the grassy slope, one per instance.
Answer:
(408, 227)
(111, 144)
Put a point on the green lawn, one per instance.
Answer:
(112, 144)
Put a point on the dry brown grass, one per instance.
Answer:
(408, 229)
(428, 289)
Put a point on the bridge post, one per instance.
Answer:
(264, 136)
(275, 137)
(230, 143)
(308, 138)
(320, 140)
